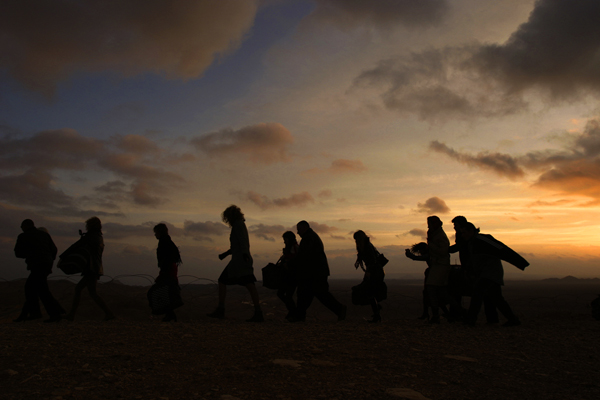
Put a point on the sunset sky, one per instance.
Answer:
(349, 114)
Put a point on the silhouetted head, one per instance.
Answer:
(468, 230)
(289, 238)
(459, 221)
(302, 228)
(93, 224)
(231, 214)
(160, 230)
(420, 249)
(360, 237)
(27, 224)
(434, 222)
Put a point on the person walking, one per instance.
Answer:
(239, 270)
(39, 251)
(169, 260)
(312, 273)
(94, 244)
(367, 259)
(490, 275)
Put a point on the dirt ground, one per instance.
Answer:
(553, 355)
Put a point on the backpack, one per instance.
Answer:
(76, 259)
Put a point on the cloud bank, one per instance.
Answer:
(433, 205)
(45, 41)
(554, 54)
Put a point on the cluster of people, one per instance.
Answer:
(480, 274)
(304, 271)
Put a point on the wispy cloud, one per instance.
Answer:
(340, 166)
(574, 170)
(264, 202)
(264, 143)
(383, 14)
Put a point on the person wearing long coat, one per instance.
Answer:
(312, 271)
(90, 276)
(239, 270)
(436, 283)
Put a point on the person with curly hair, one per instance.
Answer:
(239, 270)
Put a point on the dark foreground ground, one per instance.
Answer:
(555, 354)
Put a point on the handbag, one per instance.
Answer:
(163, 297)
(273, 276)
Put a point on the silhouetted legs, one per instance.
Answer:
(36, 289)
(220, 310)
(485, 288)
(319, 288)
(286, 294)
(88, 281)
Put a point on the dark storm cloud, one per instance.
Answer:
(264, 202)
(502, 164)
(29, 166)
(264, 143)
(381, 13)
(575, 169)
(433, 205)
(554, 53)
(45, 41)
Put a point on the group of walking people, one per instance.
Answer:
(303, 267)
(480, 274)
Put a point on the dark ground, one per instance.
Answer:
(555, 354)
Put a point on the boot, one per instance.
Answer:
(218, 313)
(257, 317)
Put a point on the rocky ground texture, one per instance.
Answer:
(553, 355)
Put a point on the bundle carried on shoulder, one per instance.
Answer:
(76, 259)
(504, 252)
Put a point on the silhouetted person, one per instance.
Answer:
(169, 260)
(239, 270)
(420, 252)
(367, 259)
(312, 273)
(436, 283)
(94, 243)
(462, 279)
(490, 276)
(39, 251)
(288, 284)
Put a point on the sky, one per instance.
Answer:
(345, 113)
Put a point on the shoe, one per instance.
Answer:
(257, 317)
(512, 322)
(434, 320)
(169, 318)
(424, 316)
(342, 314)
(21, 318)
(218, 313)
(55, 318)
(294, 319)
(33, 317)
(375, 319)
(109, 317)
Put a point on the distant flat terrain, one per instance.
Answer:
(553, 355)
